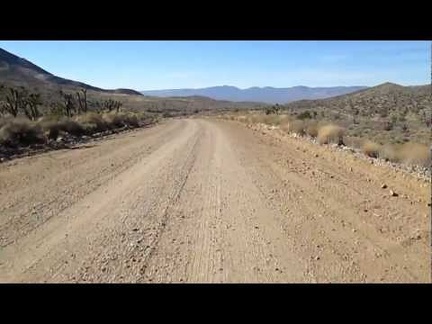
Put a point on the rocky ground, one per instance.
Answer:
(206, 200)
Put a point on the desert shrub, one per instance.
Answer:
(5, 120)
(272, 119)
(50, 128)
(132, 120)
(331, 134)
(92, 122)
(242, 119)
(415, 153)
(311, 129)
(371, 149)
(305, 115)
(113, 120)
(390, 152)
(255, 118)
(295, 126)
(354, 142)
(72, 127)
(20, 131)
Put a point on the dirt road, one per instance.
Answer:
(201, 200)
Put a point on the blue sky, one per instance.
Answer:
(148, 65)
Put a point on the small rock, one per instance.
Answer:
(383, 186)
(135, 230)
(103, 269)
(365, 210)
(317, 258)
(393, 194)
(256, 227)
(429, 204)
(316, 155)
(351, 169)
(354, 230)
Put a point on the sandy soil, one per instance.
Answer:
(201, 200)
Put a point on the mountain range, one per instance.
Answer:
(257, 94)
(19, 71)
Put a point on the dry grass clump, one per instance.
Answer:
(354, 142)
(5, 120)
(92, 122)
(113, 120)
(53, 127)
(409, 153)
(20, 131)
(311, 128)
(371, 149)
(294, 126)
(390, 152)
(415, 153)
(242, 119)
(330, 134)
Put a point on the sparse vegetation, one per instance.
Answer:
(312, 128)
(296, 126)
(326, 132)
(20, 131)
(388, 113)
(415, 153)
(331, 134)
(24, 124)
(371, 149)
(305, 115)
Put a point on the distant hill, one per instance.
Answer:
(19, 71)
(16, 71)
(257, 94)
(382, 99)
(385, 113)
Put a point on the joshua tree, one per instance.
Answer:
(15, 101)
(31, 106)
(68, 104)
(82, 100)
(112, 104)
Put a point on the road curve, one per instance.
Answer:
(202, 200)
